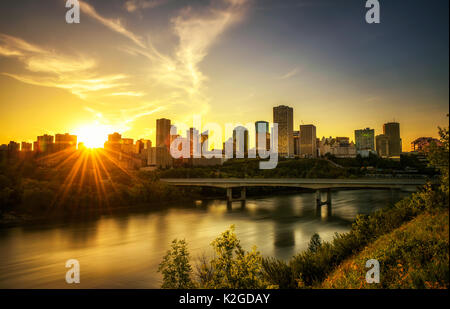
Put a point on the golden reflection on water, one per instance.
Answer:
(124, 251)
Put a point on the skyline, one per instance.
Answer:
(98, 139)
(221, 60)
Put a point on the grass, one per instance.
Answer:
(415, 255)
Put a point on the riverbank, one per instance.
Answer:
(413, 256)
(189, 197)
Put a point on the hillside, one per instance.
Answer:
(415, 255)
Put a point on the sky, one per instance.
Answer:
(128, 63)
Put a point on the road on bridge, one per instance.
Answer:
(315, 184)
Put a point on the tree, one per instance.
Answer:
(439, 157)
(232, 267)
(314, 243)
(175, 267)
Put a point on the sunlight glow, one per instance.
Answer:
(93, 135)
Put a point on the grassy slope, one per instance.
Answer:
(415, 255)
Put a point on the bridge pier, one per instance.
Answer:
(319, 201)
(230, 199)
(230, 195)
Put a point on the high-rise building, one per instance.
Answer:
(113, 144)
(127, 146)
(163, 133)
(159, 157)
(65, 141)
(262, 130)
(26, 147)
(194, 143)
(142, 145)
(296, 135)
(365, 139)
(13, 146)
(392, 131)
(240, 142)
(284, 117)
(44, 143)
(382, 142)
(308, 141)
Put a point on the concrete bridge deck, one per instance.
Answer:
(313, 184)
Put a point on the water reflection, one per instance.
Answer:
(123, 251)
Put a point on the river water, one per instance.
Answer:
(123, 251)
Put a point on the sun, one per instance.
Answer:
(93, 135)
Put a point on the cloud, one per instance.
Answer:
(113, 24)
(48, 68)
(79, 86)
(198, 30)
(289, 74)
(52, 63)
(171, 80)
(13, 47)
(133, 5)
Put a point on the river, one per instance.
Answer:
(123, 251)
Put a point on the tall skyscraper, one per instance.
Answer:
(308, 141)
(262, 129)
(163, 133)
(195, 140)
(284, 117)
(240, 142)
(392, 131)
(382, 142)
(365, 139)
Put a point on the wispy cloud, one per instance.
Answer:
(198, 30)
(134, 5)
(289, 74)
(169, 80)
(12, 46)
(113, 24)
(48, 68)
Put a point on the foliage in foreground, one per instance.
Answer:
(415, 255)
(231, 268)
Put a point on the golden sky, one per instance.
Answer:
(130, 62)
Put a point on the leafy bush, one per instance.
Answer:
(175, 267)
(231, 268)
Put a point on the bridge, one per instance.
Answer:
(314, 184)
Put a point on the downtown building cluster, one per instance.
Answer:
(305, 144)
(301, 143)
